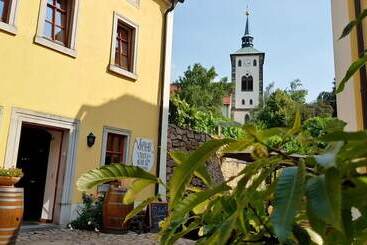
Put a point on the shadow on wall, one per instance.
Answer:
(127, 112)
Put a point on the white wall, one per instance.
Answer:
(255, 73)
(239, 116)
(343, 58)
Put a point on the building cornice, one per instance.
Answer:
(260, 54)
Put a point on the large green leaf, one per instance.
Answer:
(345, 136)
(352, 194)
(348, 29)
(355, 67)
(328, 158)
(202, 172)
(288, 194)
(184, 172)
(267, 133)
(223, 232)
(297, 125)
(137, 186)
(183, 207)
(301, 235)
(252, 131)
(111, 173)
(324, 198)
(139, 208)
(238, 146)
(317, 224)
(185, 230)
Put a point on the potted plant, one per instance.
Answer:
(11, 209)
(10, 176)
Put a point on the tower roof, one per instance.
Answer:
(247, 39)
(247, 30)
(247, 50)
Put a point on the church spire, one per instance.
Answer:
(247, 38)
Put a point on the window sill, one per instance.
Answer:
(8, 28)
(122, 72)
(52, 45)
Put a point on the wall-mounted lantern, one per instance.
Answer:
(91, 139)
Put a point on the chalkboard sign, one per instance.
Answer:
(156, 213)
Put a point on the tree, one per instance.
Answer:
(329, 98)
(200, 90)
(268, 91)
(280, 106)
(296, 91)
(277, 111)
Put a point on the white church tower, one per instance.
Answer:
(247, 74)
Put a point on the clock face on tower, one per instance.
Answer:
(247, 62)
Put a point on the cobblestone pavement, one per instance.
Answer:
(75, 237)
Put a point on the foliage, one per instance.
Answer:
(199, 89)
(320, 126)
(277, 111)
(90, 214)
(359, 63)
(329, 98)
(11, 172)
(296, 92)
(280, 197)
(280, 106)
(186, 116)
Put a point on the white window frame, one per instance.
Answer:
(113, 67)
(11, 27)
(122, 132)
(42, 40)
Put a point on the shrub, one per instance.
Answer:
(90, 215)
(186, 116)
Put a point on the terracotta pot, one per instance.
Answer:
(8, 181)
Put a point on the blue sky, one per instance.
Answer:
(296, 36)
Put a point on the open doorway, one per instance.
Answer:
(39, 156)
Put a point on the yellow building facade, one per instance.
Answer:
(73, 69)
(352, 102)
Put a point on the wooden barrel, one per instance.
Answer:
(114, 211)
(11, 213)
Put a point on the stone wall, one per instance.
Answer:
(188, 140)
(231, 167)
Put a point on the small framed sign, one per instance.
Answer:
(156, 212)
(143, 154)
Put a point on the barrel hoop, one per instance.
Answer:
(9, 236)
(8, 229)
(11, 200)
(7, 242)
(116, 203)
(11, 195)
(11, 190)
(11, 207)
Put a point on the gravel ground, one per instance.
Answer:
(76, 237)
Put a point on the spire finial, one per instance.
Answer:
(247, 38)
